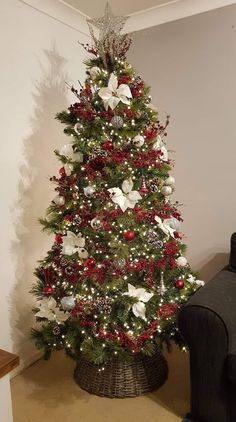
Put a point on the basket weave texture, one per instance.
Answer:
(122, 379)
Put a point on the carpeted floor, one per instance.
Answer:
(46, 392)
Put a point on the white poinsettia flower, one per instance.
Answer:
(142, 296)
(191, 279)
(113, 94)
(68, 152)
(159, 145)
(164, 226)
(173, 223)
(68, 169)
(48, 309)
(125, 198)
(74, 243)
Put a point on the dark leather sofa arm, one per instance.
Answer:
(208, 324)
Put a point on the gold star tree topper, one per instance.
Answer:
(110, 43)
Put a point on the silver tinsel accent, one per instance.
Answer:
(117, 122)
(98, 152)
(119, 263)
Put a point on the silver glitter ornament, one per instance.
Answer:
(153, 239)
(103, 305)
(56, 330)
(117, 122)
(98, 152)
(68, 303)
(77, 221)
(119, 263)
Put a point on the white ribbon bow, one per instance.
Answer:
(74, 243)
(159, 145)
(126, 199)
(48, 309)
(164, 226)
(113, 94)
(142, 296)
(69, 153)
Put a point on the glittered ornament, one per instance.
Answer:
(107, 145)
(117, 122)
(96, 223)
(63, 262)
(181, 261)
(98, 152)
(103, 305)
(179, 284)
(90, 263)
(56, 330)
(47, 290)
(138, 140)
(119, 263)
(77, 221)
(69, 271)
(153, 239)
(170, 181)
(59, 200)
(68, 303)
(89, 191)
(129, 235)
(166, 190)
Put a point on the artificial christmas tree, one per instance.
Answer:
(110, 287)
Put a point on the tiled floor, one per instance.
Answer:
(46, 392)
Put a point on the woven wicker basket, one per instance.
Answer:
(121, 379)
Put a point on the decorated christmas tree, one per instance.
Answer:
(116, 276)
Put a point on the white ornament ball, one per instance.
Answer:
(96, 223)
(59, 200)
(138, 140)
(166, 190)
(89, 191)
(68, 303)
(181, 261)
(170, 181)
(94, 71)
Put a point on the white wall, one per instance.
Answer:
(190, 65)
(5, 399)
(37, 55)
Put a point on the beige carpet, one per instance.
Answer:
(46, 392)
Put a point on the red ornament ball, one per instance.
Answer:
(62, 171)
(47, 290)
(179, 284)
(90, 263)
(58, 238)
(129, 235)
(107, 145)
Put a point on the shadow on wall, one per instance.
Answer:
(34, 195)
(212, 265)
